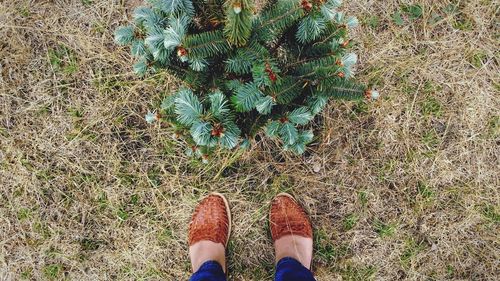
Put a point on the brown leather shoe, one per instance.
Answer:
(287, 217)
(211, 220)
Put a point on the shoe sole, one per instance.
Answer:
(287, 195)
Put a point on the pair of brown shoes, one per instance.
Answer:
(211, 219)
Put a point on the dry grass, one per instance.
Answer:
(404, 188)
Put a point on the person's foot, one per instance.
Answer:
(291, 230)
(209, 231)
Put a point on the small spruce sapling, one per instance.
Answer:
(244, 71)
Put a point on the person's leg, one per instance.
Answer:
(294, 246)
(203, 251)
(291, 232)
(208, 236)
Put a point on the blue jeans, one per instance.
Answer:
(287, 269)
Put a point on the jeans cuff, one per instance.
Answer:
(291, 269)
(211, 266)
(289, 260)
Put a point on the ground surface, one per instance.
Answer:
(405, 188)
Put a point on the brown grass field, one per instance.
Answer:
(404, 188)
